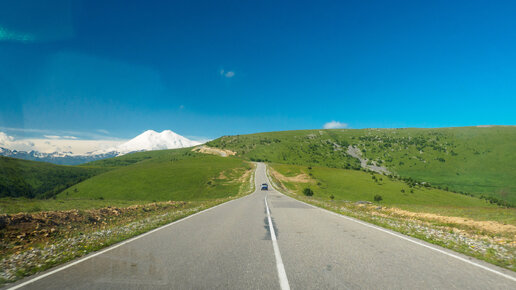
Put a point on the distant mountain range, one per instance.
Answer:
(148, 140)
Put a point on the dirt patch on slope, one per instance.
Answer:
(214, 151)
(303, 178)
(245, 176)
(222, 175)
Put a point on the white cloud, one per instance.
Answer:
(4, 138)
(54, 143)
(55, 137)
(227, 74)
(103, 131)
(9, 142)
(181, 107)
(335, 125)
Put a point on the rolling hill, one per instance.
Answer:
(474, 160)
(163, 175)
(23, 178)
(355, 186)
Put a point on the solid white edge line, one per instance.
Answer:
(282, 274)
(63, 267)
(403, 237)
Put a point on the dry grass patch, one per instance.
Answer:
(300, 178)
(214, 151)
(488, 226)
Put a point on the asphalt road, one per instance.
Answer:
(232, 246)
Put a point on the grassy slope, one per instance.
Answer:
(353, 185)
(31, 178)
(468, 159)
(162, 175)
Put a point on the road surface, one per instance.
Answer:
(232, 246)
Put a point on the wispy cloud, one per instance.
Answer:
(25, 130)
(99, 134)
(52, 137)
(227, 74)
(55, 137)
(335, 125)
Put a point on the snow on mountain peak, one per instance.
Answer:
(152, 140)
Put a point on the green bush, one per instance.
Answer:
(308, 192)
(378, 198)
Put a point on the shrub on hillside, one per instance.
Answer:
(308, 192)
(378, 198)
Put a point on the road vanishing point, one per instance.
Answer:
(267, 240)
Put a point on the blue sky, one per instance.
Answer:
(112, 69)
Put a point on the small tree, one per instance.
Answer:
(308, 192)
(378, 198)
(332, 197)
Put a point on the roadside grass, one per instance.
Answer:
(34, 253)
(462, 223)
(475, 160)
(487, 213)
(9, 205)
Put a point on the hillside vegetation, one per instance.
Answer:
(351, 185)
(164, 175)
(32, 179)
(137, 178)
(474, 160)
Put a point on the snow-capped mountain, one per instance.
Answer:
(62, 158)
(152, 140)
(148, 140)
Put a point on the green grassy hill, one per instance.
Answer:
(162, 175)
(23, 178)
(480, 161)
(353, 185)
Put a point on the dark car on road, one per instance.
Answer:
(265, 186)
